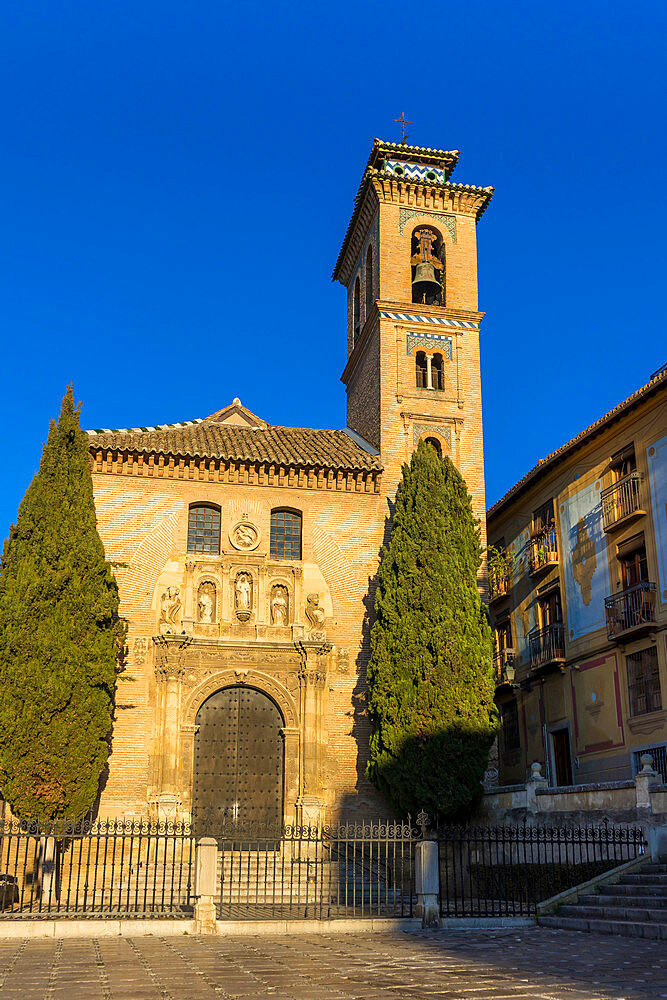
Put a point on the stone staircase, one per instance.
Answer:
(634, 906)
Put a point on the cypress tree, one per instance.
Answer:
(59, 637)
(430, 675)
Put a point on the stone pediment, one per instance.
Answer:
(237, 415)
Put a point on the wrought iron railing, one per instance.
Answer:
(108, 868)
(346, 870)
(507, 870)
(621, 500)
(543, 550)
(500, 583)
(547, 645)
(632, 609)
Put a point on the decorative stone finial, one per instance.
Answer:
(536, 771)
(647, 763)
(236, 401)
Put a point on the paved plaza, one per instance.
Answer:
(535, 963)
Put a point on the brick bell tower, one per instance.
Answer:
(409, 263)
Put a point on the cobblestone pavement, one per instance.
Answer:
(535, 964)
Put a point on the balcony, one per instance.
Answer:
(547, 647)
(500, 584)
(543, 551)
(503, 665)
(622, 502)
(631, 612)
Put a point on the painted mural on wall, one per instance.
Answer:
(657, 470)
(584, 548)
(524, 615)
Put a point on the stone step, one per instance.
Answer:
(626, 928)
(620, 899)
(654, 868)
(640, 879)
(633, 889)
(634, 912)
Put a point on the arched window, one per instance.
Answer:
(435, 444)
(428, 266)
(437, 372)
(204, 528)
(356, 309)
(421, 370)
(285, 534)
(369, 281)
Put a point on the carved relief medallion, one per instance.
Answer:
(244, 535)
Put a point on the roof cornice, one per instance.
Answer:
(655, 385)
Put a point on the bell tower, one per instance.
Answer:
(409, 263)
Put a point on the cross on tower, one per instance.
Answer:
(403, 121)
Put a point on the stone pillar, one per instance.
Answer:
(427, 883)
(312, 676)
(169, 675)
(189, 599)
(429, 383)
(291, 742)
(206, 877)
(643, 781)
(535, 781)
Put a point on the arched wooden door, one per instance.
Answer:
(238, 765)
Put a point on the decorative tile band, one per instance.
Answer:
(444, 432)
(448, 221)
(431, 320)
(430, 340)
(415, 171)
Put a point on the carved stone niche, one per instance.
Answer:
(244, 596)
(207, 603)
(279, 603)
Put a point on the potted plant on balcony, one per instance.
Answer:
(501, 566)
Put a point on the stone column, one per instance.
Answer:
(206, 877)
(427, 883)
(429, 383)
(312, 677)
(169, 674)
(290, 737)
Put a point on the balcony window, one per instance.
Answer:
(543, 549)
(622, 501)
(547, 641)
(631, 611)
(644, 681)
(503, 657)
(501, 566)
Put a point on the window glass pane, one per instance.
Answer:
(285, 534)
(204, 529)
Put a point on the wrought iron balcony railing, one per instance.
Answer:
(547, 646)
(633, 610)
(503, 664)
(500, 584)
(543, 551)
(622, 501)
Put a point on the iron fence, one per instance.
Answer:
(508, 870)
(344, 870)
(109, 868)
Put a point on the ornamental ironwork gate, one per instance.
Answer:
(238, 764)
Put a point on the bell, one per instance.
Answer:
(425, 282)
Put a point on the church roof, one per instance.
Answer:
(657, 382)
(235, 434)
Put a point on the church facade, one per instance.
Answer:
(246, 553)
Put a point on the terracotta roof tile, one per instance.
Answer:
(289, 446)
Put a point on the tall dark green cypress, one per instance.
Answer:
(430, 675)
(59, 637)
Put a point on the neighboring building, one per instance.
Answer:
(246, 553)
(578, 598)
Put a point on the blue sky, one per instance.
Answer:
(176, 180)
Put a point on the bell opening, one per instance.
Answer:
(428, 267)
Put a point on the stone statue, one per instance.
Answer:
(205, 604)
(243, 589)
(315, 617)
(279, 605)
(170, 605)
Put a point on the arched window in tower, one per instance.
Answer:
(369, 280)
(356, 309)
(435, 444)
(428, 267)
(437, 372)
(421, 370)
